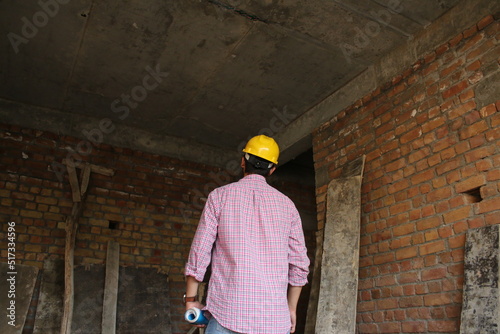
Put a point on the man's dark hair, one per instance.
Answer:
(257, 165)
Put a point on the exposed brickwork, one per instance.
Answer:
(429, 147)
(150, 198)
(154, 201)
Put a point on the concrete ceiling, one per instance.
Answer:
(194, 79)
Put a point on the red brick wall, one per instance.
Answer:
(155, 200)
(428, 145)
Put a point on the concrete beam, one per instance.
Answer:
(291, 139)
(459, 18)
(117, 134)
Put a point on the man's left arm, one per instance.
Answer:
(297, 254)
(293, 299)
(298, 268)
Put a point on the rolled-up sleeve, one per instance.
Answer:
(204, 238)
(297, 254)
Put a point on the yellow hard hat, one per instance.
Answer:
(264, 147)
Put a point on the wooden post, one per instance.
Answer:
(71, 228)
(312, 307)
(111, 289)
(79, 194)
(85, 176)
(73, 181)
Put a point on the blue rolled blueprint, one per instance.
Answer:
(195, 316)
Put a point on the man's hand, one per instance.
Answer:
(194, 304)
(197, 305)
(293, 319)
(192, 290)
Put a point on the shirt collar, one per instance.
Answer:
(255, 178)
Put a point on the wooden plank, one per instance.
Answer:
(79, 195)
(312, 307)
(338, 291)
(102, 170)
(111, 288)
(85, 177)
(71, 228)
(73, 181)
(68, 299)
(94, 168)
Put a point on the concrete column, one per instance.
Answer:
(340, 261)
(480, 306)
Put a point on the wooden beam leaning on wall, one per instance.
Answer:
(79, 194)
(110, 300)
(335, 292)
(312, 308)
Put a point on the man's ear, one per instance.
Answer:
(272, 170)
(243, 163)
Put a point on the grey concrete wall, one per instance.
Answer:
(143, 304)
(16, 290)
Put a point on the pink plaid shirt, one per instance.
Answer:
(258, 249)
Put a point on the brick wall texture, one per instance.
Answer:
(431, 137)
(150, 206)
